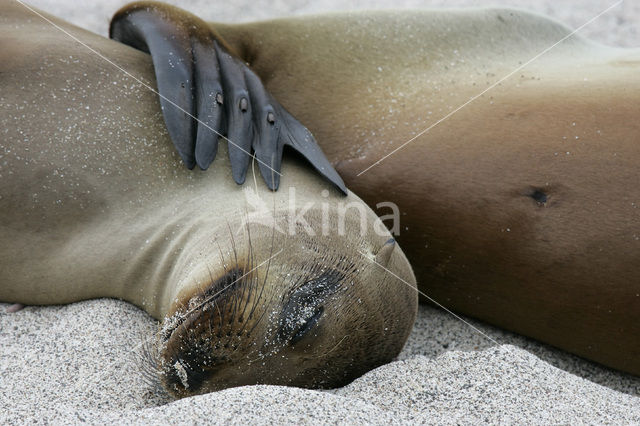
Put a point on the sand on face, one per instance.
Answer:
(82, 362)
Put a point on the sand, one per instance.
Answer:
(75, 363)
(81, 362)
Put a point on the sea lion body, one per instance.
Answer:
(520, 208)
(95, 203)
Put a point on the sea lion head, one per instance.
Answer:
(280, 304)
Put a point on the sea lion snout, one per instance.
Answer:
(384, 254)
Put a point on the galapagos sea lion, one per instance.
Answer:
(95, 203)
(520, 195)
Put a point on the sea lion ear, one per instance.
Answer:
(205, 90)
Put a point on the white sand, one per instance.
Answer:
(75, 363)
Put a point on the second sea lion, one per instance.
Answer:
(509, 143)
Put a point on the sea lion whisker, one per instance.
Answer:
(250, 293)
(264, 311)
(235, 257)
(209, 298)
(334, 347)
(252, 310)
(264, 282)
(215, 305)
(262, 287)
(273, 233)
(251, 262)
(149, 361)
(247, 285)
(237, 298)
(256, 277)
(222, 261)
(235, 250)
(233, 244)
(210, 274)
(245, 319)
(257, 299)
(255, 303)
(224, 267)
(203, 290)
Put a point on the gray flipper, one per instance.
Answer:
(198, 78)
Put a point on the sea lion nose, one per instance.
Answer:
(384, 254)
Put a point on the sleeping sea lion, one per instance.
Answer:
(510, 145)
(252, 286)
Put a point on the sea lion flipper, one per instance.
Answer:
(300, 138)
(267, 122)
(173, 64)
(187, 72)
(205, 90)
(238, 107)
(210, 106)
(275, 128)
